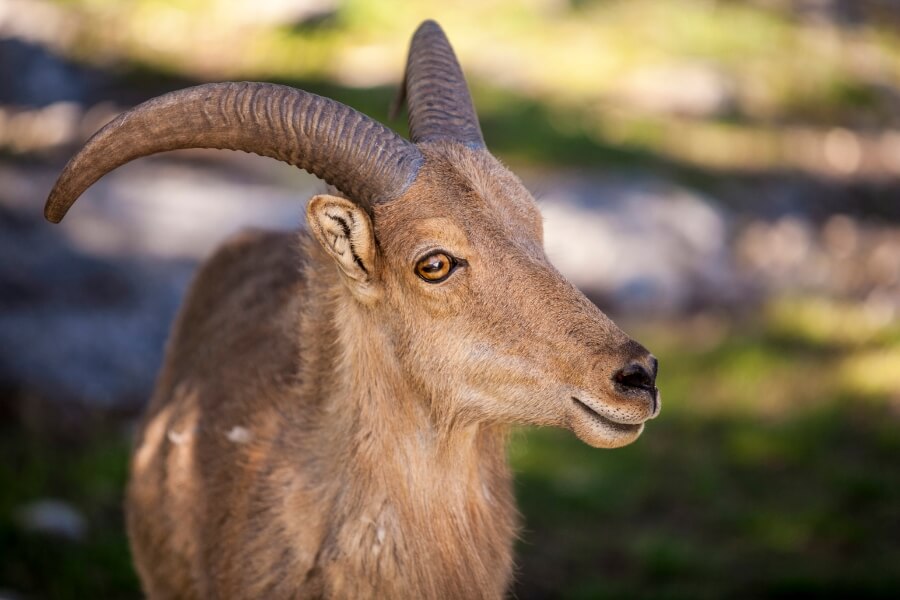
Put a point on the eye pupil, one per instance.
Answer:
(435, 267)
(435, 264)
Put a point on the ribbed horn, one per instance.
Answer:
(440, 107)
(362, 158)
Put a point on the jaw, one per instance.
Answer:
(598, 423)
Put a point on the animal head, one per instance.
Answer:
(433, 237)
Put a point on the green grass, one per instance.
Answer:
(714, 507)
(89, 474)
(773, 471)
(572, 52)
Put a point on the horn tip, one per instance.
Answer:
(428, 24)
(55, 219)
(52, 212)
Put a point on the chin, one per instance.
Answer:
(600, 432)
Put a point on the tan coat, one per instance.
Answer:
(328, 423)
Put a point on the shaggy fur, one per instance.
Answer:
(328, 424)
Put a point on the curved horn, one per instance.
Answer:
(356, 154)
(440, 107)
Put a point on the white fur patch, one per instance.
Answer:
(239, 435)
(379, 540)
(178, 437)
(487, 493)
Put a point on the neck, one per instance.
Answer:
(427, 508)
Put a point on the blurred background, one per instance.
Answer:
(722, 177)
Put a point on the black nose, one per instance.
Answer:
(638, 375)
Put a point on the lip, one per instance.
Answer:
(599, 429)
(625, 428)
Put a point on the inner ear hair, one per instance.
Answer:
(345, 231)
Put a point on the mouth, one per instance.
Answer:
(606, 421)
(637, 392)
(599, 430)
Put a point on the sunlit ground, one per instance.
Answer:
(746, 85)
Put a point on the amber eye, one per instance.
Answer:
(435, 267)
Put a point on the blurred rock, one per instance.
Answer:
(53, 517)
(692, 90)
(85, 307)
(31, 76)
(76, 327)
(641, 243)
(844, 257)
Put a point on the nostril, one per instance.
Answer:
(635, 375)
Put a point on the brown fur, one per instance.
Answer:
(340, 432)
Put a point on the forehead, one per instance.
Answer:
(461, 195)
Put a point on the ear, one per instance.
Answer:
(345, 231)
